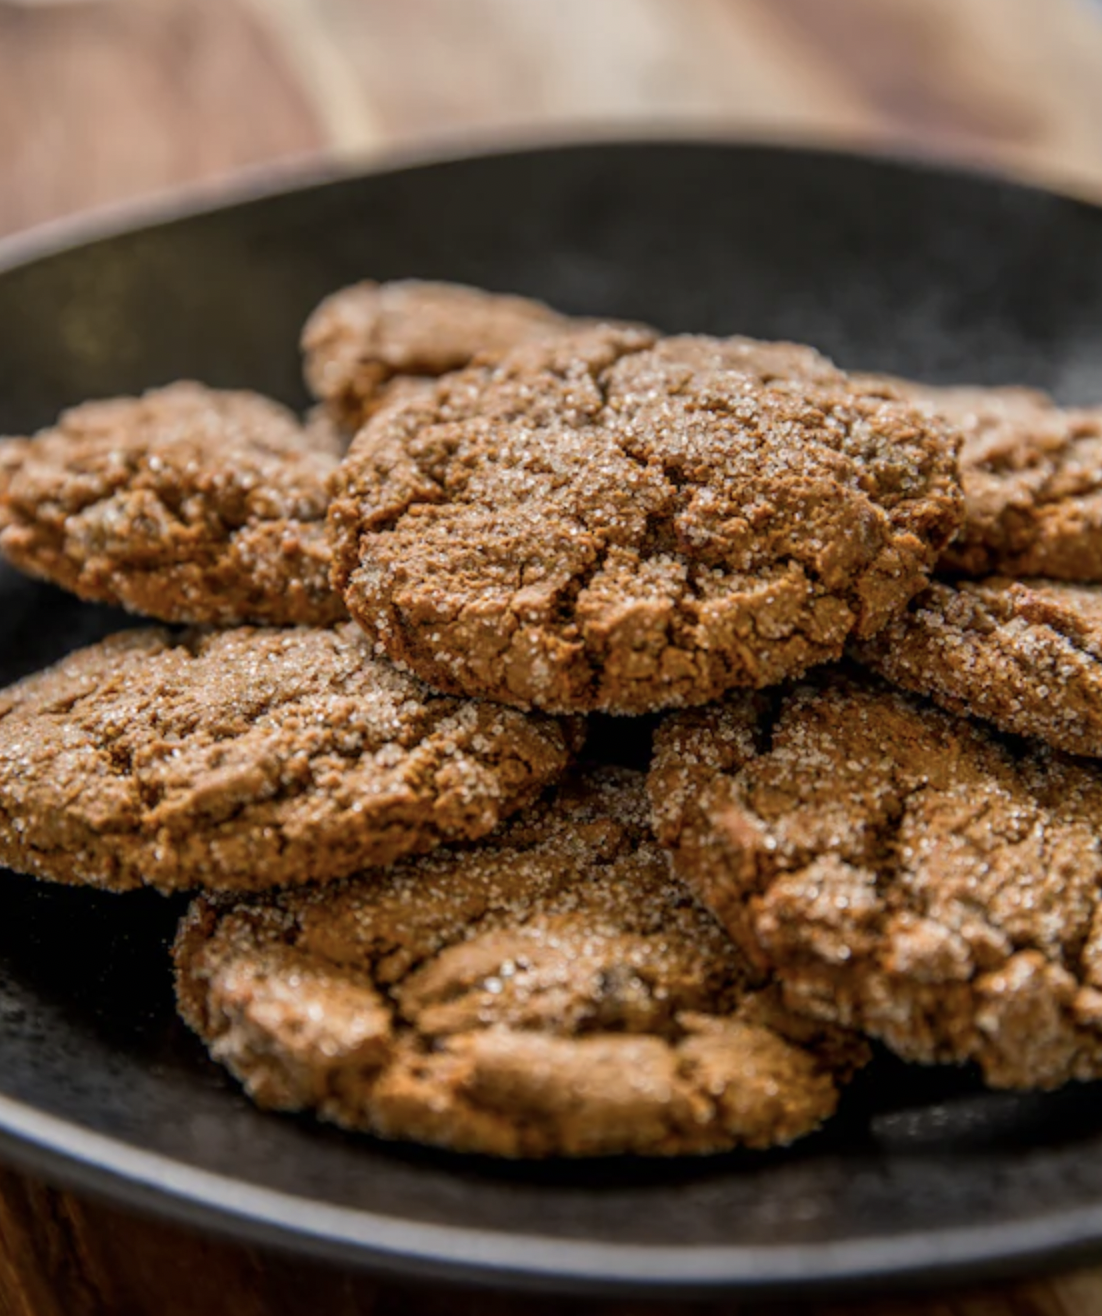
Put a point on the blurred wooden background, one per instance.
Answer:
(105, 100)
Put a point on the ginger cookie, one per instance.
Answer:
(614, 522)
(362, 338)
(327, 434)
(250, 758)
(902, 872)
(551, 991)
(188, 504)
(1032, 476)
(1025, 655)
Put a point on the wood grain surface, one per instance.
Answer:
(104, 100)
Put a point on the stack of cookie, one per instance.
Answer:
(429, 909)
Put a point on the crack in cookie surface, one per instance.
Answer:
(249, 758)
(902, 872)
(614, 522)
(551, 990)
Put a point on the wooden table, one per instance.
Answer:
(102, 100)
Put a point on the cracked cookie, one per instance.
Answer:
(551, 991)
(616, 522)
(250, 758)
(1025, 655)
(188, 504)
(902, 872)
(1032, 476)
(362, 338)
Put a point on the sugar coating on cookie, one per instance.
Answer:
(1025, 655)
(616, 522)
(1032, 476)
(902, 872)
(361, 338)
(250, 758)
(188, 504)
(551, 991)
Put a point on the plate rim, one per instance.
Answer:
(64, 1152)
(271, 180)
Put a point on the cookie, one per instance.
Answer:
(250, 758)
(551, 991)
(1032, 475)
(327, 434)
(902, 872)
(620, 523)
(361, 338)
(188, 505)
(1025, 655)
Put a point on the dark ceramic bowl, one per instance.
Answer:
(887, 266)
